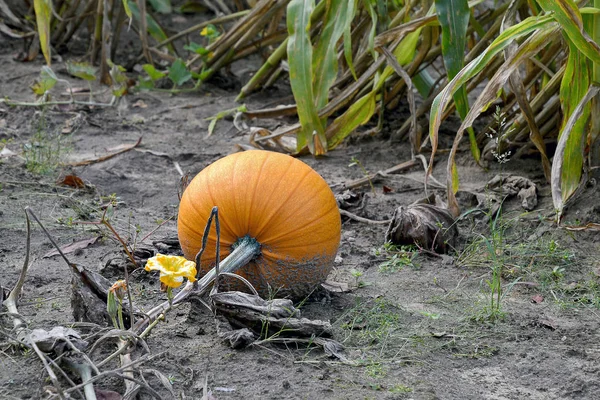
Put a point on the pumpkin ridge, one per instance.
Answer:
(305, 223)
(222, 221)
(256, 182)
(267, 220)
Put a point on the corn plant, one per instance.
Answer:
(351, 61)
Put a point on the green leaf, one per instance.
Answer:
(46, 82)
(145, 83)
(453, 16)
(325, 56)
(127, 9)
(196, 48)
(153, 73)
(178, 73)
(117, 73)
(442, 100)
(82, 70)
(357, 114)
(43, 15)
(348, 36)
(153, 27)
(567, 14)
(559, 198)
(300, 56)
(210, 31)
(573, 88)
(161, 6)
(191, 7)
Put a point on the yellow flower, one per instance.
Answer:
(205, 31)
(172, 269)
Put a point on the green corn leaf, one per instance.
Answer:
(373, 30)
(43, 15)
(559, 198)
(127, 9)
(573, 88)
(153, 27)
(325, 63)
(442, 100)
(525, 51)
(178, 72)
(566, 13)
(161, 6)
(348, 36)
(153, 73)
(82, 70)
(453, 16)
(301, 76)
(357, 114)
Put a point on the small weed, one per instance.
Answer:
(376, 370)
(46, 149)
(400, 389)
(356, 161)
(397, 257)
(357, 281)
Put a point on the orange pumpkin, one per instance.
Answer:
(279, 201)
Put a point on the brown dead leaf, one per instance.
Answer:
(70, 248)
(140, 104)
(548, 323)
(336, 287)
(102, 394)
(122, 148)
(538, 298)
(387, 189)
(592, 226)
(73, 181)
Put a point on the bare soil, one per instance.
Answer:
(413, 326)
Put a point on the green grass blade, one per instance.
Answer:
(573, 88)
(43, 15)
(566, 13)
(325, 62)
(444, 98)
(300, 63)
(453, 16)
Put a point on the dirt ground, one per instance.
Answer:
(414, 325)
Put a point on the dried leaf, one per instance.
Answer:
(538, 298)
(140, 103)
(430, 227)
(80, 245)
(122, 148)
(592, 226)
(336, 287)
(73, 181)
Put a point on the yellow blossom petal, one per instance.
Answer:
(204, 31)
(172, 269)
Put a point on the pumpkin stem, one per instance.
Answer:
(244, 251)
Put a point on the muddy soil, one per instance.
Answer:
(414, 325)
